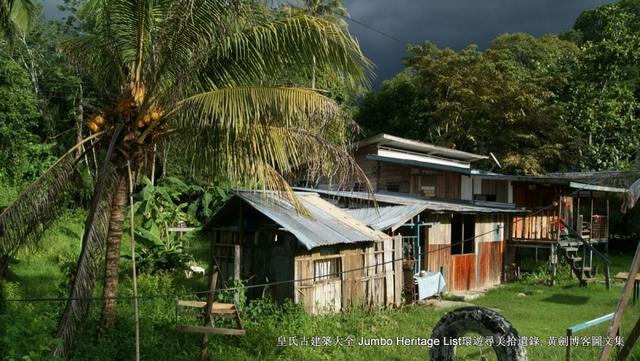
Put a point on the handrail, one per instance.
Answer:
(581, 326)
(604, 258)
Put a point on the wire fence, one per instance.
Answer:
(267, 284)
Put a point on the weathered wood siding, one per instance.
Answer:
(438, 241)
(408, 179)
(483, 268)
(371, 276)
(490, 246)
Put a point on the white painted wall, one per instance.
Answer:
(466, 184)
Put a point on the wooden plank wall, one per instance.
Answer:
(461, 272)
(353, 288)
(369, 167)
(438, 239)
(464, 272)
(370, 277)
(490, 247)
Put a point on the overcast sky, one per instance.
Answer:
(448, 23)
(453, 23)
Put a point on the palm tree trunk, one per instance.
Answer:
(112, 258)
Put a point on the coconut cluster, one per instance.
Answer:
(97, 123)
(150, 117)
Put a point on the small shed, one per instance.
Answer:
(326, 260)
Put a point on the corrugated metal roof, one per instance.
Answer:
(411, 199)
(327, 226)
(383, 218)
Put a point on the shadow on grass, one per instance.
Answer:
(566, 299)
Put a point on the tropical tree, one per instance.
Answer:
(605, 99)
(462, 98)
(197, 72)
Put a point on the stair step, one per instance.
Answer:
(571, 249)
(576, 259)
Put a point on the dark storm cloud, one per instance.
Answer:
(453, 23)
(448, 23)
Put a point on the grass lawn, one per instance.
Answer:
(26, 328)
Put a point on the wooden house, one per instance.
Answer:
(456, 203)
(463, 241)
(326, 259)
(464, 222)
(568, 217)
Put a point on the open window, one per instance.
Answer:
(463, 232)
(327, 269)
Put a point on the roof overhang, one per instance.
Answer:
(419, 147)
(420, 164)
(599, 188)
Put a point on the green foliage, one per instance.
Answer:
(506, 100)
(158, 210)
(540, 104)
(167, 205)
(605, 101)
(21, 155)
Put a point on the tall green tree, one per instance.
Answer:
(507, 100)
(198, 72)
(605, 98)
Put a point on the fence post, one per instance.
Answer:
(569, 334)
(236, 273)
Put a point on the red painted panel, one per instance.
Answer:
(464, 272)
(491, 256)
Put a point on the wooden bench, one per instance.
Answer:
(224, 310)
(636, 284)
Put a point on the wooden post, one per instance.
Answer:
(204, 346)
(568, 354)
(397, 269)
(236, 273)
(133, 265)
(629, 342)
(622, 304)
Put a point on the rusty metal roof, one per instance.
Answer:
(327, 225)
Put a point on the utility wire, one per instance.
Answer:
(196, 293)
(364, 25)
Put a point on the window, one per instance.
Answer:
(485, 197)
(428, 191)
(393, 187)
(359, 187)
(327, 269)
(463, 228)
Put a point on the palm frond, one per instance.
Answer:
(239, 133)
(90, 262)
(233, 109)
(92, 252)
(288, 44)
(16, 17)
(24, 221)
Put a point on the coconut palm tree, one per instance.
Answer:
(15, 17)
(198, 73)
